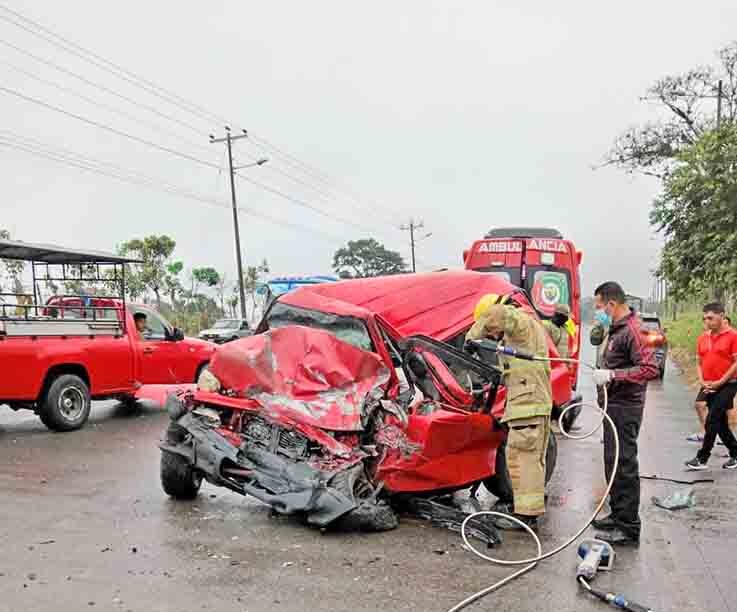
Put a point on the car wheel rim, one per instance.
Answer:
(71, 404)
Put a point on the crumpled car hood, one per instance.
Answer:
(305, 374)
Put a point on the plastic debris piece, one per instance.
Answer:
(676, 501)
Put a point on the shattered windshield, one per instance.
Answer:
(348, 329)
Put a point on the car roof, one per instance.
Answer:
(436, 304)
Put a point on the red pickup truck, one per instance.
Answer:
(58, 355)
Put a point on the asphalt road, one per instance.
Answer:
(85, 525)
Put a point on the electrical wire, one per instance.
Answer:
(108, 128)
(107, 90)
(304, 204)
(135, 178)
(119, 111)
(93, 58)
(37, 29)
(183, 155)
(531, 562)
(107, 107)
(331, 183)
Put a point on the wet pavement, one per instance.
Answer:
(85, 525)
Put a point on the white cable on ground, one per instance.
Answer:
(533, 561)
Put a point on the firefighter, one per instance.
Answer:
(529, 399)
(561, 328)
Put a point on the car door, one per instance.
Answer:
(157, 354)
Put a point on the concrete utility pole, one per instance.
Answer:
(412, 226)
(238, 256)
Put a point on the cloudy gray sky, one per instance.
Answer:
(464, 114)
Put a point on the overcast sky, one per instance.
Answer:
(466, 115)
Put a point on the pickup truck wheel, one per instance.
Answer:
(500, 484)
(178, 479)
(66, 405)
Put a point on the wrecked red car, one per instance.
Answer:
(343, 403)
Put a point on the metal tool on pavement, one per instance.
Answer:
(596, 555)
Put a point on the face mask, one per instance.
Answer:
(603, 317)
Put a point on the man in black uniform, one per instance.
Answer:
(627, 365)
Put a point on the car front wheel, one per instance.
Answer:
(178, 479)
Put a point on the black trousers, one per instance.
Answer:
(717, 422)
(624, 499)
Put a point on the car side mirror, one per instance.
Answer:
(176, 335)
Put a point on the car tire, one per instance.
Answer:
(370, 514)
(66, 405)
(234, 338)
(500, 484)
(178, 479)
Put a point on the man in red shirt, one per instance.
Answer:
(717, 349)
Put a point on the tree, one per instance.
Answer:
(13, 268)
(689, 102)
(172, 283)
(233, 299)
(202, 276)
(696, 212)
(365, 258)
(251, 281)
(154, 251)
(221, 288)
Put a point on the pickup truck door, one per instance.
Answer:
(157, 356)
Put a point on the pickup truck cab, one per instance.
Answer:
(58, 356)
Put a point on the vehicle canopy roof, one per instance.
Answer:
(437, 304)
(52, 254)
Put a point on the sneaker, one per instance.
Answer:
(731, 464)
(696, 464)
(696, 437)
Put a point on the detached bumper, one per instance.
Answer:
(287, 486)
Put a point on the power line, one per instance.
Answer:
(108, 128)
(101, 87)
(320, 176)
(110, 170)
(303, 204)
(178, 154)
(107, 107)
(97, 60)
(129, 100)
(105, 64)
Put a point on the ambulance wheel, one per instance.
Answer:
(66, 404)
(500, 484)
